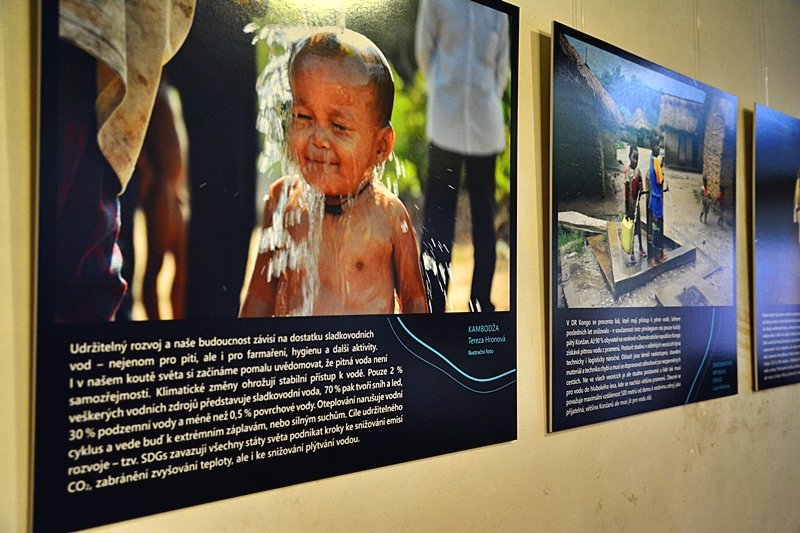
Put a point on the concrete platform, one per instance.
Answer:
(693, 292)
(621, 276)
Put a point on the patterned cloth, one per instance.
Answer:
(109, 66)
(131, 41)
(656, 187)
(89, 286)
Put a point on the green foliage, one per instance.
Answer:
(503, 166)
(570, 240)
(410, 144)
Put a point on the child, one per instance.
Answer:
(704, 197)
(720, 201)
(657, 187)
(633, 192)
(796, 217)
(342, 97)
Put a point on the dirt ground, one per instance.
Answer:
(458, 293)
(713, 272)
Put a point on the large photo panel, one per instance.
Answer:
(776, 199)
(643, 232)
(276, 244)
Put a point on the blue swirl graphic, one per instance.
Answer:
(450, 363)
(705, 355)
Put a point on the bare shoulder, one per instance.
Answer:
(286, 186)
(277, 185)
(388, 201)
(393, 214)
(281, 186)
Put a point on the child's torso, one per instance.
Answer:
(354, 265)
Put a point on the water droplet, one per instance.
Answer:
(298, 207)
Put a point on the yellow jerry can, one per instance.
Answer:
(626, 239)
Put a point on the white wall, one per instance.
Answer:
(725, 465)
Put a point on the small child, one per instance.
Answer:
(796, 216)
(720, 201)
(342, 98)
(656, 204)
(705, 199)
(633, 192)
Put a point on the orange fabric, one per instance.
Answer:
(659, 172)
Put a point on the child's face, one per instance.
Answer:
(634, 160)
(334, 135)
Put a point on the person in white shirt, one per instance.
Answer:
(463, 49)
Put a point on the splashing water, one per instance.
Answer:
(274, 113)
(299, 254)
(438, 271)
(392, 180)
(441, 272)
(288, 253)
(274, 161)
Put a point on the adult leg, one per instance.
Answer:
(637, 228)
(438, 223)
(649, 224)
(220, 116)
(658, 241)
(479, 175)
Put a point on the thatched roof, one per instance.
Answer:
(587, 79)
(639, 121)
(679, 114)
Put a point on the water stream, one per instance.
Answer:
(274, 115)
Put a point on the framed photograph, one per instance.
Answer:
(776, 199)
(643, 233)
(276, 244)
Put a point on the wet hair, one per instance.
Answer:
(339, 44)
